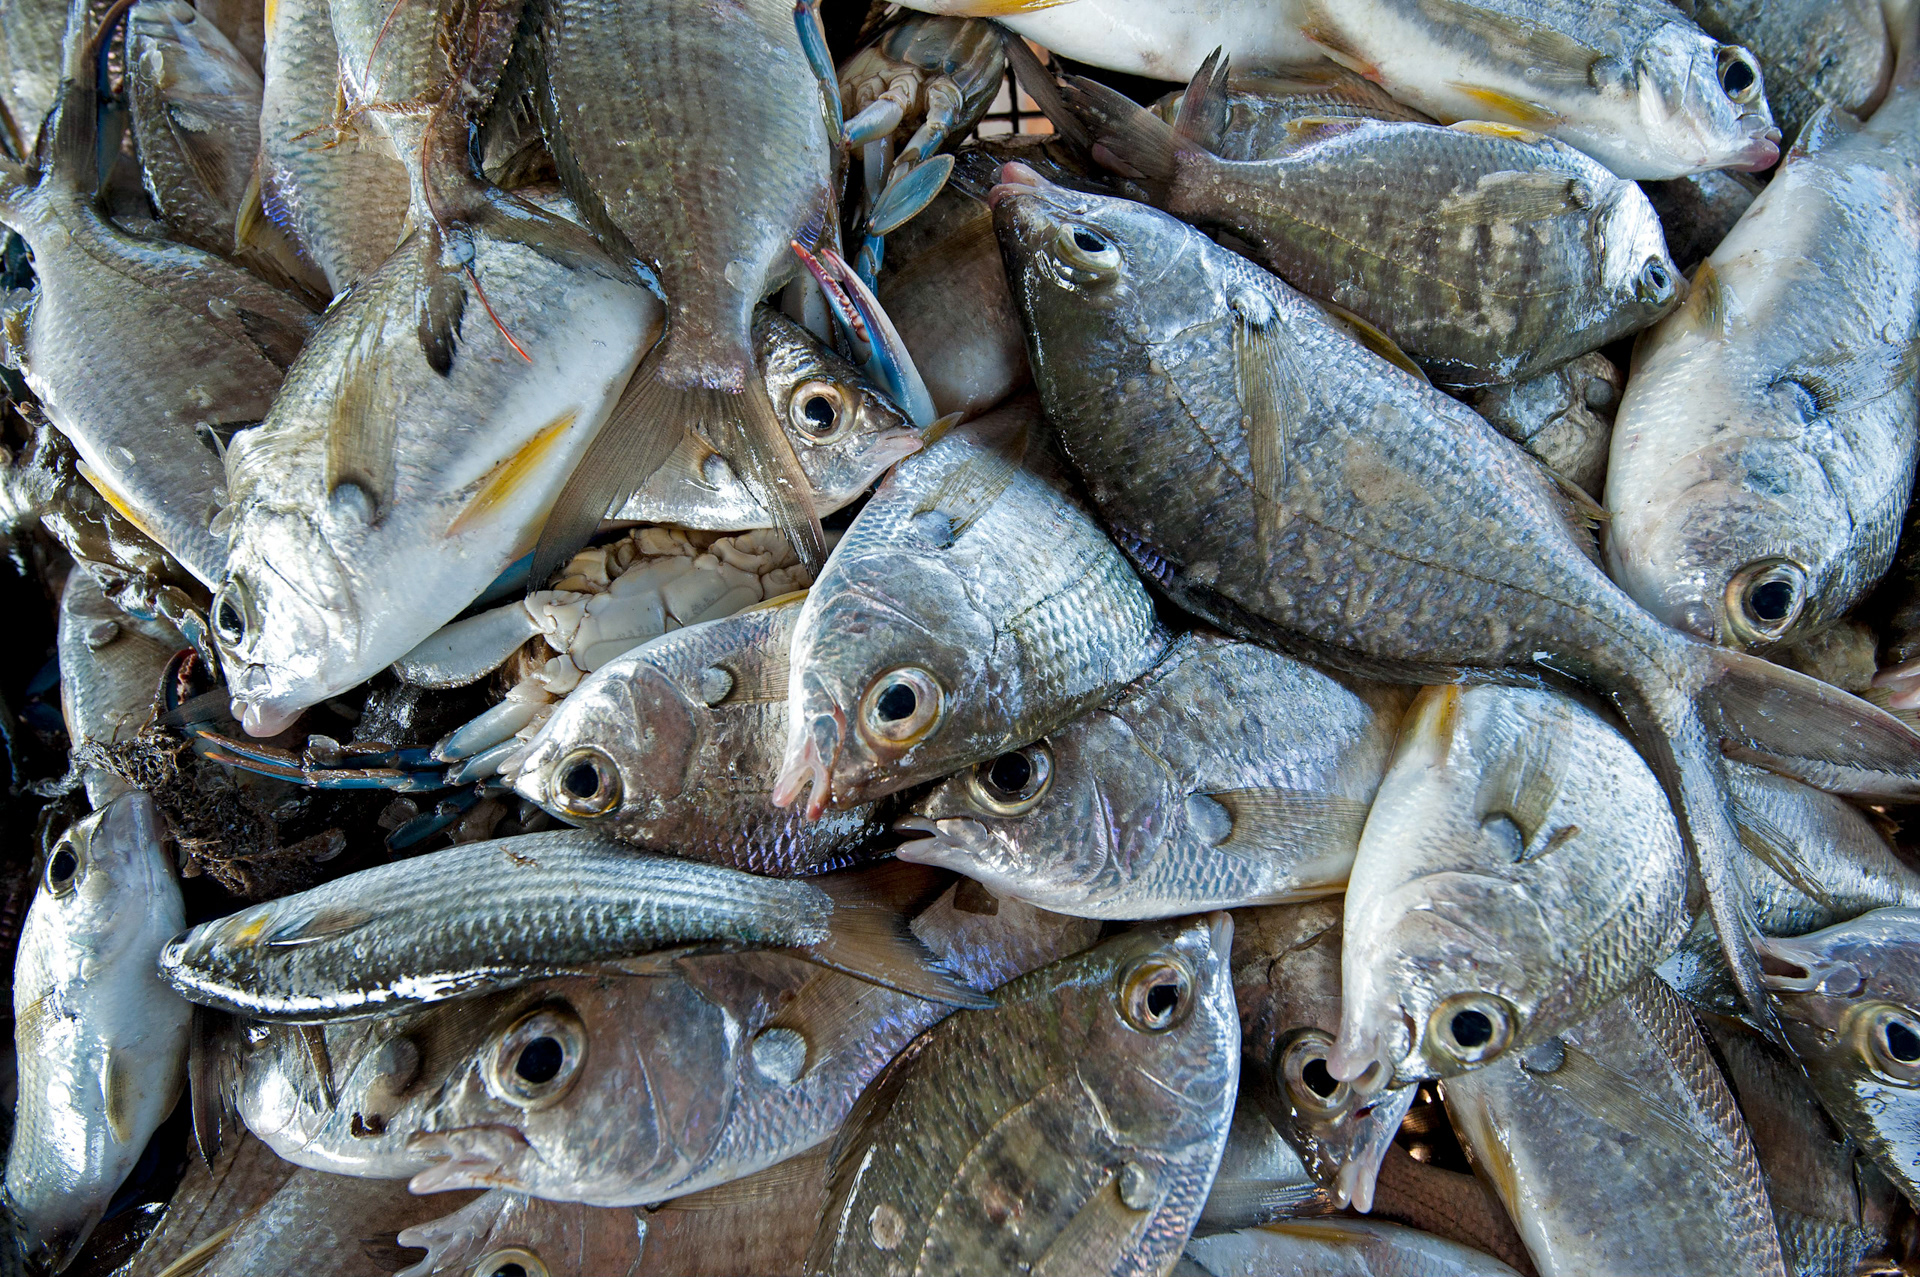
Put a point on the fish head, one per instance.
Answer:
(619, 744)
(1342, 1131)
(1849, 997)
(893, 680)
(101, 866)
(1700, 104)
(1059, 820)
(285, 619)
(845, 432)
(1636, 271)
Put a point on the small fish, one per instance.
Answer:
(675, 747)
(1338, 1248)
(1227, 775)
(971, 607)
(110, 667)
(1850, 998)
(1628, 1107)
(1519, 870)
(500, 913)
(1073, 1128)
(101, 1042)
(1564, 418)
(1262, 1176)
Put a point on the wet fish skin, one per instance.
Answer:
(1696, 212)
(1228, 775)
(1564, 417)
(682, 738)
(1058, 1132)
(1261, 1176)
(1846, 995)
(110, 667)
(212, 1198)
(1339, 1248)
(756, 1227)
(1519, 867)
(325, 1223)
(1765, 447)
(1489, 254)
(974, 598)
(29, 67)
(330, 178)
(497, 1228)
(1264, 107)
(1629, 1102)
(845, 432)
(1810, 53)
(101, 1043)
(1456, 1205)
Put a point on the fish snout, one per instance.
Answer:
(467, 1157)
(809, 762)
(1761, 151)
(1016, 179)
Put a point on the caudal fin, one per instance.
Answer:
(1786, 722)
(869, 936)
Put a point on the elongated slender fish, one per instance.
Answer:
(1286, 484)
(971, 607)
(1228, 775)
(1630, 1107)
(196, 340)
(675, 747)
(101, 1042)
(1072, 1129)
(1764, 452)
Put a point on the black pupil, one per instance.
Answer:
(1162, 999)
(1770, 600)
(1472, 1028)
(228, 618)
(582, 780)
(1903, 1044)
(896, 703)
(1318, 1080)
(818, 411)
(1009, 773)
(1657, 275)
(1737, 77)
(540, 1060)
(1089, 242)
(510, 1269)
(63, 865)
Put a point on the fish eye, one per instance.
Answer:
(230, 613)
(537, 1059)
(819, 411)
(1310, 1087)
(1156, 993)
(1764, 599)
(584, 782)
(1013, 784)
(509, 1261)
(1086, 255)
(63, 867)
(901, 707)
(1470, 1028)
(1888, 1038)
(1739, 75)
(1655, 284)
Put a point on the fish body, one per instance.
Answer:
(101, 1042)
(1073, 1128)
(323, 1223)
(971, 607)
(1518, 871)
(212, 1196)
(681, 740)
(1227, 775)
(498, 1228)
(1265, 108)
(1765, 447)
(1564, 417)
(1631, 1103)
(1697, 212)
(1338, 1248)
(110, 667)
(30, 32)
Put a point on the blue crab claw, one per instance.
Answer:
(876, 120)
(813, 40)
(866, 262)
(876, 343)
(910, 191)
(444, 813)
(487, 731)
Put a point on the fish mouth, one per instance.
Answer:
(809, 762)
(467, 1157)
(935, 842)
(1016, 179)
(251, 703)
(1761, 151)
(1373, 1128)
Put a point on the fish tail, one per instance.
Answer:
(868, 934)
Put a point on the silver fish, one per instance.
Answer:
(30, 32)
(1227, 775)
(972, 607)
(110, 666)
(557, 1239)
(211, 1200)
(320, 1223)
(101, 1042)
(1837, 51)
(1338, 1248)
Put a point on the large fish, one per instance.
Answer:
(501, 913)
(1764, 452)
(101, 1042)
(972, 607)
(1286, 484)
(1228, 775)
(1072, 1129)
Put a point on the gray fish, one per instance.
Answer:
(756, 1227)
(1765, 447)
(1261, 1176)
(101, 1042)
(1227, 775)
(1074, 1128)
(197, 342)
(1848, 997)
(1626, 1107)
(1284, 483)
(556, 1239)
(675, 747)
(321, 1223)
(972, 607)
(1488, 253)
(30, 32)
(500, 913)
(1263, 109)
(1827, 51)
(212, 1199)
(110, 667)
(1338, 1248)
(1564, 417)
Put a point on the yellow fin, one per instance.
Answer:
(1706, 299)
(1329, 1232)
(1006, 8)
(201, 1254)
(500, 483)
(1490, 128)
(1433, 717)
(114, 499)
(1373, 339)
(1506, 106)
(121, 1091)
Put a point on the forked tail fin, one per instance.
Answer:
(869, 935)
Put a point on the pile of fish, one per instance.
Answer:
(1050, 637)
